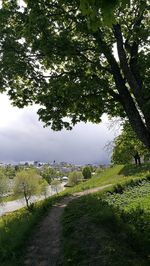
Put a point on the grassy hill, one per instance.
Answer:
(111, 227)
(118, 174)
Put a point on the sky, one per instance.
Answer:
(23, 138)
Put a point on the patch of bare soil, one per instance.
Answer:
(44, 247)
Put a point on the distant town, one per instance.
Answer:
(63, 167)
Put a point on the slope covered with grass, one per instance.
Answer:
(94, 229)
(111, 228)
(118, 174)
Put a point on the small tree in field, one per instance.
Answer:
(74, 178)
(28, 183)
(86, 172)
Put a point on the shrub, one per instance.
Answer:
(86, 172)
(74, 178)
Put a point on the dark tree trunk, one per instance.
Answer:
(126, 99)
(26, 199)
(27, 202)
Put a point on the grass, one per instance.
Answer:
(113, 175)
(95, 234)
(16, 228)
(118, 174)
(92, 228)
(110, 228)
(12, 197)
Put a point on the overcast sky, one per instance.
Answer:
(23, 138)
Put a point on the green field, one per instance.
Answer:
(111, 228)
(118, 174)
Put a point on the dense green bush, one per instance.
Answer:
(86, 172)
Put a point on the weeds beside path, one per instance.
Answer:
(44, 248)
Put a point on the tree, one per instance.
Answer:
(48, 174)
(90, 8)
(51, 56)
(28, 183)
(126, 146)
(86, 172)
(74, 178)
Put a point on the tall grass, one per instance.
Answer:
(16, 228)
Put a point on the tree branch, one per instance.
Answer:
(127, 101)
(136, 89)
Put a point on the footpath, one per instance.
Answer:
(44, 248)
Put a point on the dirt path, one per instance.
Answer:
(44, 247)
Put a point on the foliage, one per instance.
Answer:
(50, 56)
(126, 145)
(43, 187)
(55, 185)
(28, 183)
(111, 239)
(118, 224)
(131, 197)
(3, 184)
(106, 226)
(74, 178)
(48, 173)
(118, 174)
(10, 172)
(86, 172)
(95, 10)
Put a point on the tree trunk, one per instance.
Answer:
(127, 101)
(26, 198)
(27, 201)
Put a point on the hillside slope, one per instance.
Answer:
(111, 228)
(95, 231)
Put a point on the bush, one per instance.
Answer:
(86, 172)
(74, 178)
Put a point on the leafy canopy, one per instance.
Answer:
(94, 10)
(60, 55)
(126, 145)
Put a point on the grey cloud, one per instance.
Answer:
(26, 139)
